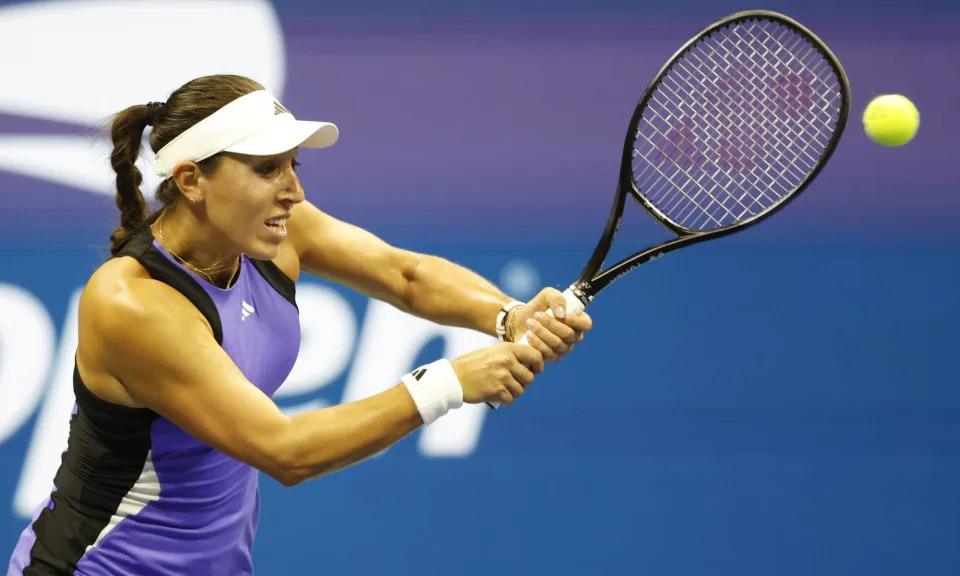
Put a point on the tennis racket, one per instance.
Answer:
(736, 124)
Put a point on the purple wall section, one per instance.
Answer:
(456, 124)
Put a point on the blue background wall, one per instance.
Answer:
(780, 402)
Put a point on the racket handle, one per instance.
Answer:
(573, 305)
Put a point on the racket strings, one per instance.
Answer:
(792, 93)
(741, 150)
(739, 89)
(735, 150)
(731, 154)
(735, 125)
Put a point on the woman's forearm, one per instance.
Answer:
(447, 293)
(323, 441)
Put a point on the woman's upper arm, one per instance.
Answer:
(349, 255)
(162, 350)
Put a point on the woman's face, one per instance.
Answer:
(249, 198)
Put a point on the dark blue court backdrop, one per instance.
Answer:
(785, 401)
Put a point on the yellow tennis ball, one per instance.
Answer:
(891, 120)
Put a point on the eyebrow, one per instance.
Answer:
(272, 159)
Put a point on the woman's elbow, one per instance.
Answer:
(287, 477)
(290, 470)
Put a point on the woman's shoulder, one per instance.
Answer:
(122, 317)
(116, 278)
(122, 289)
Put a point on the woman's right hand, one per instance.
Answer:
(498, 373)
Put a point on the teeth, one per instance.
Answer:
(279, 224)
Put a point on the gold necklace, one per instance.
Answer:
(208, 272)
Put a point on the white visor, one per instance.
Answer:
(255, 124)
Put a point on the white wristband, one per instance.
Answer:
(435, 389)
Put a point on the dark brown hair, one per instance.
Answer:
(188, 105)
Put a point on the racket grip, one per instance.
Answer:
(573, 305)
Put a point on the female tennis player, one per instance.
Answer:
(192, 325)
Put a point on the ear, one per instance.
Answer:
(189, 179)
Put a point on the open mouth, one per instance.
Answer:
(278, 225)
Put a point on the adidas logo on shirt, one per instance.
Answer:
(247, 310)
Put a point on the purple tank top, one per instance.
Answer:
(179, 507)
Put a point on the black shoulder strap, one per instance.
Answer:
(277, 279)
(141, 248)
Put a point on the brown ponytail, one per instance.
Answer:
(127, 134)
(188, 105)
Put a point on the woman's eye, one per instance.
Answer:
(295, 164)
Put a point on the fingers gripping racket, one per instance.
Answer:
(735, 125)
